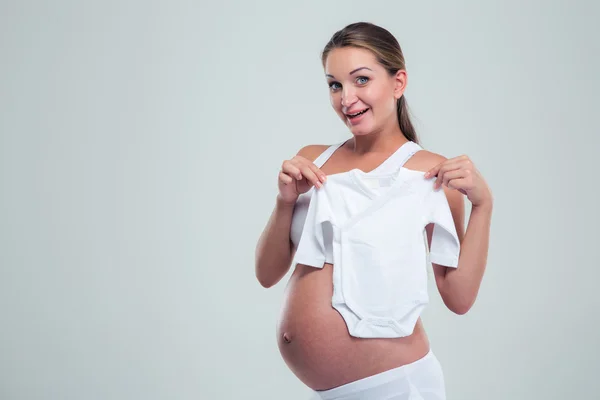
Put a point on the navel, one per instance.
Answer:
(287, 337)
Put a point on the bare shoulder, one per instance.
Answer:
(424, 160)
(312, 151)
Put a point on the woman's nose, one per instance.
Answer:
(348, 98)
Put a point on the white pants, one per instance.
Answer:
(419, 380)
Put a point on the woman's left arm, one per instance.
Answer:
(458, 176)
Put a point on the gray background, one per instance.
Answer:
(139, 148)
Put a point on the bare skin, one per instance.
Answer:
(312, 336)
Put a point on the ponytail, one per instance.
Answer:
(404, 121)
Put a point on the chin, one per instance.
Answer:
(359, 133)
(360, 130)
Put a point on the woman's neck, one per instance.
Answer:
(377, 142)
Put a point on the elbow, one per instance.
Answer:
(264, 278)
(264, 281)
(459, 306)
(268, 270)
(259, 270)
(265, 284)
(458, 299)
(268, 280)
(261, 277)
(460, 309)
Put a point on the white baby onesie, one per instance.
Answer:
(376, 223)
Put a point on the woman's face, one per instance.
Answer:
(359, 84)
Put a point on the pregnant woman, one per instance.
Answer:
(330, 346)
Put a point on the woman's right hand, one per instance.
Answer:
(297, 176)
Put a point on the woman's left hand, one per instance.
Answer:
(460, 173)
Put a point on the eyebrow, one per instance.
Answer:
(351, 72)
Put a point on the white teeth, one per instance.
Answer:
(357, 114)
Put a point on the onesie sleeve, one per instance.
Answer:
(445, 245)
(311, 247)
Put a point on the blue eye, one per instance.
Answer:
(363, 77)
(332, 84)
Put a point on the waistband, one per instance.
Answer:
(373, 380)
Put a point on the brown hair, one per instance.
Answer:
(386, 49)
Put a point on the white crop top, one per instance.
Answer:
(379, 255)
(391, 164)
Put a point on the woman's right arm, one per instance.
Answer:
(274, 250)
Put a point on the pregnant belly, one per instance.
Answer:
(314, 341)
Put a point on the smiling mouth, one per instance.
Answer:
(357, 114)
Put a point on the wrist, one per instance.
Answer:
(281, 202)
(486, 206)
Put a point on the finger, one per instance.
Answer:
(285, 178)
(433, 171)
(300, 163)
(462, 162)
(309, 171)
(444, 169)
(292, 169)
(451, 163)
(320, 174)
(453, 177)
(310, 176)
(460, 184)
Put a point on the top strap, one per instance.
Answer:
(407, 151)
(324, 156)
(395, 161)
(399, 157)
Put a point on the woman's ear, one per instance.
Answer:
(400, 81)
